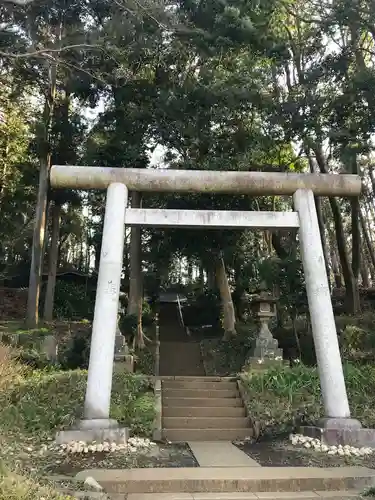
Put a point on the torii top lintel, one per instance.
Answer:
(205, 181)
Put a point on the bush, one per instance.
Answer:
(128, 325)
(73, 301)
(16, 487)
(145, 360)
(43, 402)
(227, 357)
(75, 352)
(206, 310)
(357, 342)
(281, 399)
(133, 403)
(34, 359)
(11, 370)
(128, 322)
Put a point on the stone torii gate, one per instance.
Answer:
(117, 181)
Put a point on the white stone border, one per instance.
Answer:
(133, 445)
(317, 445)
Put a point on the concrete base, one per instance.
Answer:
(98, 430)
(344, 431)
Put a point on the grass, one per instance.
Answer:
(34, 404)
(280, 399)
(17, 487)
(45, 401)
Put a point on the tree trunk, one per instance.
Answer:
(369, 266)
(210, 279)
(229, 319)
(335, 266)
(367, 238)
(356, 239)
(52, 264)
(372, 178)
(36, 268)
(321, 222)
(364, 271)
(351, 284)
(201, 277)
(135, 281)
(189, 272)
(349, 158)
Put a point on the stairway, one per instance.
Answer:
(203, 409)
(179, 353)
(180, 359)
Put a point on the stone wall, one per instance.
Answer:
(13, 303)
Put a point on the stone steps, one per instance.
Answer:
(260, 481)
(306, 495)
(184, 435)
(200, 393)
(200, 409)
(195, 402)
(192, 379)
(206, 422)
(200, 384)
(204, 411)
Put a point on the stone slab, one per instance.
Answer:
(339, 423)
(94, 430)
(97, 423)
(220, 454)
(345, 436)
(272, 495)
(85, 495)
(231, 479)
(309, 495)
(160, 496)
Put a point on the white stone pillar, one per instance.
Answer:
(99, 381)
(331, 374)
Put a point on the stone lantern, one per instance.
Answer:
(266, 351)
(124, 361)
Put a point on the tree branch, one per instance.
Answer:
(47, 51)
(18, 2)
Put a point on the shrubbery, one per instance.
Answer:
(280, 399)
(15, 487)
(128, 322)
(34, 404)
(205, 310)
(75, 351)
(227, 357)
(73, 301)
(43, 401)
